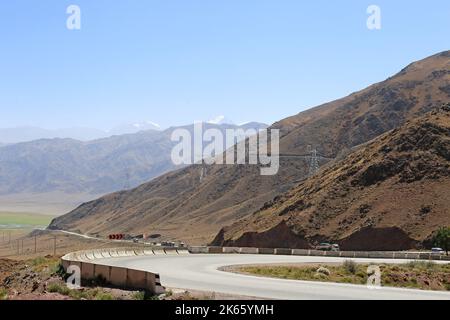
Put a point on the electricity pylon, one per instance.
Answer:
(313, 163)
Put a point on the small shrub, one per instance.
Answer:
(323, 270)
(320, 276)
(140, 295)
(442, 238)
(103, 296)
(350, 266)
(361, 274)
(3, 294)
(59, 270)
(79, 294)
(58, 288)
(38, 261)
(169, 293)
(347, 280)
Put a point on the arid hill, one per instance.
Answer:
(391, 193)
(179, 205)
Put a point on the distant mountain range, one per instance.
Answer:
(28, 133)
(94, 167)
(181, 205)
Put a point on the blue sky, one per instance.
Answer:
(176, 61)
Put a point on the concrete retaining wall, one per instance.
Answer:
(89, 262)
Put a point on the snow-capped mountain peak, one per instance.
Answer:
(220, 120)
(135, 127)
(146, 125)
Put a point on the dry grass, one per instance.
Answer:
(419, 275)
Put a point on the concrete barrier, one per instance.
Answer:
(122, 253)
(230, 250)
(90, 256)
(266, 251)
(312, 252)
(361, 254)
(377, 254)
(249, 251)
(283, 251)
(215, 250)
(316, 253)
(425, 256)
(79, 256)
(139, 252)
(300, 252)
(103, 272)
(332, 253)
(197, 250)
(138, 279)
(87, 270)
(183, 251)
(171, 251)
(347, 254)
(65, 264)
(119, 277)
(105, 254)
(98, 255)
(158, 251)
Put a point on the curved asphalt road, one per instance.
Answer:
(200, 272)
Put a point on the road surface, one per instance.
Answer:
(200, 272)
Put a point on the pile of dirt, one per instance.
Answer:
(391, 194)
(266, 239)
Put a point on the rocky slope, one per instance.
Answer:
(390, 194)
(179, 206)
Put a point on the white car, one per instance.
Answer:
(437, 250)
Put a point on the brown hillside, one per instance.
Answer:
(177, 205)
(391, 193)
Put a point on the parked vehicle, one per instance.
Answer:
(437, 250)
(335, 247)
(325, 246)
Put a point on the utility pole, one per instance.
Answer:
(127, 181)
(54, 246)
(35, 244)
(203, 171)
(314, 163)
